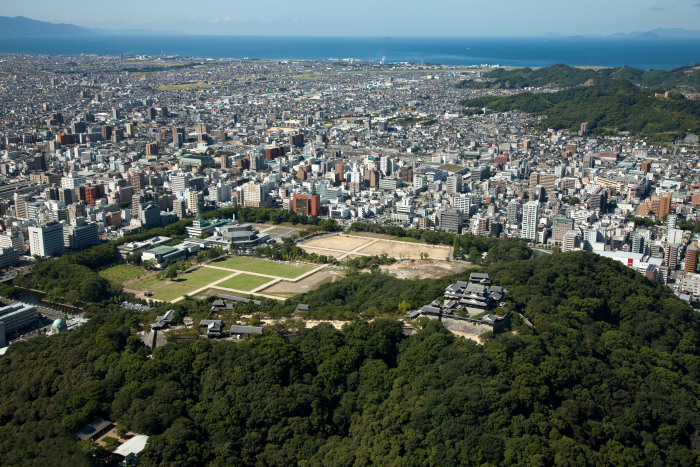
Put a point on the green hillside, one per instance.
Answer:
(556, 75)
(609, 375)
(563, 76)
(608, 108)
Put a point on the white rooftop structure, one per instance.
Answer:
(133, 446)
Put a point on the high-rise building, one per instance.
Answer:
(194, 201)
(22, 207)
(451, 220)
(479, 225)
(138, 181)
(306, 204)
(406, 174)
(513, 212)
(180, 208)
(80, 234)
(296, 140)
(671, 253)
(254, 195)
(664, 205)
(570, 241)
(47, 241)
(150, 216)
(16, 317)
(454, 184)
(671, 221)
(691, 259)
(531, 214)
(178, 183)
(637, 243)
(12, 239)
(674, 236)
(560, 226)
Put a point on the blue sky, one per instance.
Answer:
(368, 17)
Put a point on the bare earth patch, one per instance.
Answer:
(336, 242)
(405, 250)
(422, 269)
(287, 289)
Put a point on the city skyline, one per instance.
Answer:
(505, 18)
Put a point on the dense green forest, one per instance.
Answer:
(608, 108)
(609, 375)
(560, 75)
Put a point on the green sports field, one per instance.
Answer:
(244, 282)
(121, 273)
(263, 266)
(184, 284)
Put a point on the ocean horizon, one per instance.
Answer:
(648, 53)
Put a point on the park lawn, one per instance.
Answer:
(184, 283)
(263, 266)
(121, 273)
(188, 282)
(148, 283)
(244, 282)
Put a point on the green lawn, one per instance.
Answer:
(121, 273)
(244, 282)
(263, 266)
(183, 285)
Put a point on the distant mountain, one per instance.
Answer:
(134, 32)
(21, 26)
(659, 33)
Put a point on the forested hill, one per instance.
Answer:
(608, 108)
(609, 376)
(563, 76)
(556, 75)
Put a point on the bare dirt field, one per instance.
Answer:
(287, 289)
(425, 269)
(405, 250)
(319, 252)
(336, 242)
(375, 245)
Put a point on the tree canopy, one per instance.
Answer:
(607, 376)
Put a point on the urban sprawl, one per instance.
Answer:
(98, 148)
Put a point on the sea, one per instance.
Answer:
(647, 53)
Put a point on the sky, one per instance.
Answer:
(377, 18)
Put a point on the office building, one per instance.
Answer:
(306, 204)
(47, 241)
(8, 257)
(570, 242)
(80, 234)
(14, 318)
(451, 220)
(560, 226)
(454, 184)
